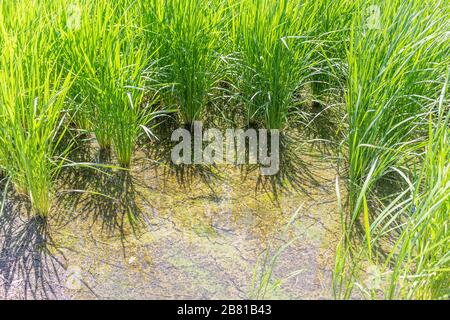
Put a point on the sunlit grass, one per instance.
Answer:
(109, 69)
(189, 36)
(397, 107)
(32, 95)
(275, 53)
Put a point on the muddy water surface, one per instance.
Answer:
(143, 235)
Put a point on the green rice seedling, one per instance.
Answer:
(86, 29)
(327, 78)
(113, 64)
(276, 47)
(124, 91)
(189, 37)
(86, 46)
(71, 18)
(275, 56)
(398, 118)
(397, 109)
(32, 95)
(412, 230)
(392, 73)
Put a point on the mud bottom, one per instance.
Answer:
(142, 235)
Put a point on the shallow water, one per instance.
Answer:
(146, 236)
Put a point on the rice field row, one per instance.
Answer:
(367, 79)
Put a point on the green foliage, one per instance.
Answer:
(110, 68)
(32, 95)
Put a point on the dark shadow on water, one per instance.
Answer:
(96, 191)
(160, 152)
(30, 262)
(28, 269)
(294, 172)
(323, 126)
(104, 196)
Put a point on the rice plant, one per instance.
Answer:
(405, 252)
(109, 69)
(398, 113)
(330, 31)
(275, 56)
(393, 73)
(124, 91)
(32, 96)
(87, 46)
(112, 63)
(189, 37)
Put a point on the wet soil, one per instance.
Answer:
(142, 234)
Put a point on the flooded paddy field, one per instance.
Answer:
(116, 119)
(143, 235)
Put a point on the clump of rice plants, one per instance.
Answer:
(376, 73)
(413, 229)
(189, 37)
(32, 96)
(398, 115)
(124, 91)
(113, 64)
(86, 45)
(275, 46)
(275, 56)
(391, 73)
(331, 28)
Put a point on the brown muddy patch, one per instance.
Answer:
(142, 235)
